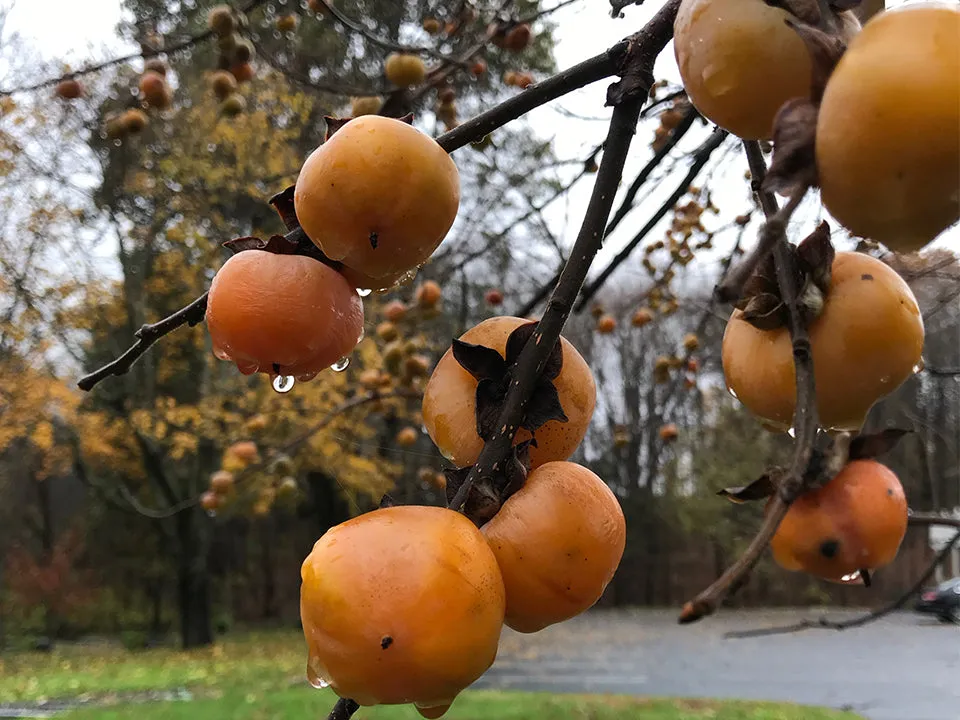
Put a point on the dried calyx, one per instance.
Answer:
(762, 303)
(494, 374)
(825, 29)
(824, 466)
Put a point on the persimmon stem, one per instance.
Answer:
(805, 418)
(344, 709)
(825, 623)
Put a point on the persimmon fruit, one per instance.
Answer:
(641, 317)
(223, 84)
(478, 68)
(428, 294)
(387, 331)
(401, 605)
(220, 19)
(404, 69)
(431, 25)
(691, 342)
(242, 71)
(69, 89)
(558, 541)
(449, 401)
(867, 340)
(287, 23)
(233, 105)
(367, 105)
(379, 196)
(407, 437)
(156, 65)
(282, 314)
(493, 297)
(669, 432)
(854, 522)
(896, 178)
(518, 38)
(134, 120)
(395, 311)
(606, 324)
(740, 61)
(245, 450)
(154, 90)
(210, 501)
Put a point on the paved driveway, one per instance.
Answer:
(903, 667)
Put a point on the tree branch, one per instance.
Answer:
(805, 420)
(145, 53)
(825, 623)
(700, 159)
(344, 709)
(147, 335)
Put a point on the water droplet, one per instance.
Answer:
(360, 337)
(283, 383)
(919, 366)
(363, 292)
(211, 147)
(211, 513)
(313, 674)
(851, 577)
(733, 393)
(792, 432)
(341, 364)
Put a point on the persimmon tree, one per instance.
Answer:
(374, 201)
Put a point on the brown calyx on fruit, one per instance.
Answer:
(488, 495)
(494, 374)
(762, 304)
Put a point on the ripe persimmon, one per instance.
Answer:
(379, 196)
(243, 72)
(221, 482)
(287, 23)
(606, 324)
(493, 297)
(896, 178)
(220, 19)
(401, 605)
(854, 522)
(282, 314)
(223, 84)
(691, 342)
(394, 311)
(449, 401)
(387, 331)
(641, 317)
(478, 68)
(669, 432)
(866, 342)
(69, 89)
(431, 25)
(518, 38)
(134, 120)
(428, 294)
(407, 437)
(245, 450)
(404, 70)
(368, 105)
(154, 90)
(558, 541)
(210, 501)
(740, 61)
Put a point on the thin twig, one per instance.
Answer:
(825, 623)
(700, 159)
(626, 204)
(356, 27)
(805, 419)
(147, 335)
(144, 53)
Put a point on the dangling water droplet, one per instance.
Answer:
(733, 393)
(919, 366)
(211, 513)
(283, 383)
(362, 335)
(363, 292)
(211, 147)
(851, 577)
(341, 364)
(313, 675)
(792, 432)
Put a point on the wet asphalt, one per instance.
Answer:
(902, 667)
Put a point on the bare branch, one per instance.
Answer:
(700, 159)
(147, 335)
(145, 53)
(825, 623)
(805, 420)
(344, 709)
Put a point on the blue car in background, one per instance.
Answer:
(942, 601)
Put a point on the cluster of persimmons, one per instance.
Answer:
(406, 604)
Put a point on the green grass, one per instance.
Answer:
(261, 675)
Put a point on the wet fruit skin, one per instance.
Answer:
(403, 604)
(449, 401)
(865, 343)
(558, 541)
(896, 179)
(856, 521)
(378, 182)
(740, 62)
(289, 310)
